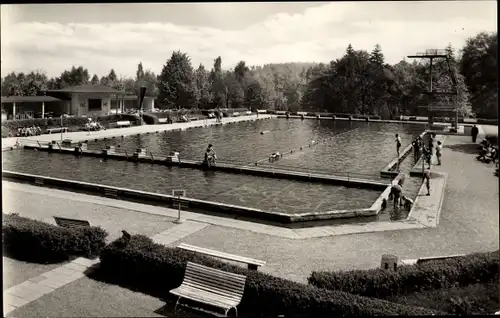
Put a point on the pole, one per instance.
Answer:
(61, 127)
(179, 208)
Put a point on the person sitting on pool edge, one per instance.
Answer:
(210, 156)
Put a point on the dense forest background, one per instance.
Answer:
(359, 82)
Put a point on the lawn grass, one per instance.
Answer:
(15, 272)
(475, 299)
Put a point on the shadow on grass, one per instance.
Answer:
(99, 275)
(36, 258)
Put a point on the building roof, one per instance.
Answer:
(86, 88)
(29, 99)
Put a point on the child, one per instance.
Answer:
(427, 179)
(439, 150)
(398, 143)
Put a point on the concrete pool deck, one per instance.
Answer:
(469, 221)
(78, 136)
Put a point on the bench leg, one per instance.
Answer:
(177, 303)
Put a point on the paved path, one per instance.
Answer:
(84, 135)
(178, 232)
(115, 215)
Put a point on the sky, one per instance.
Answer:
(54, 37)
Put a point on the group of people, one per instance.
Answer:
(487, 152)
(93, 126)
(427, 150)
(29, 131)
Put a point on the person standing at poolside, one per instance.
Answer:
(439, 150)
(398, 143)
(427, 179)
(474, 132)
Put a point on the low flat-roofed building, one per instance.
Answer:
(81, 100)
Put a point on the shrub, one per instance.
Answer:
(6, 132)
(155, 269)
(150, 119)
(73, 123)
(470, 269)
(487, 121)
(33, 240)
(106, 120)
(474, 299)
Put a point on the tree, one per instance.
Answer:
(73, 77)
(34, 83)
(479, 66)
(112, 76)
(218, 88)
(254, 94)
(202, 87)
(95, 79)
(176, 80)
(234, 93)
(22, 84)
(241, 71)
(140, 72)
(12, 85)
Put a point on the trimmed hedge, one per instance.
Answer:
(106, 120)
(33, 240)
(150, 119)
(460, 271)
(155, 269)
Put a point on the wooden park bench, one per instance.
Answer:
(57, 130)
(253, 264)
(211, 286)
(428, 259)
(125, 123)
(163, 120)
(71, 223)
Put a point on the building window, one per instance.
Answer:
(95, 104)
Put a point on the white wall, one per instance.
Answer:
(80, 104)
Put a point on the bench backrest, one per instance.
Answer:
(213, 280)
(71, 223)
(123, 123)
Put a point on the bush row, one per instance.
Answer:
(37, 241)
(155, 269)
(460, 271)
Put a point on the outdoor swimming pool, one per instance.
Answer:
(356, 147)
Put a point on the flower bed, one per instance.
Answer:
(469, 269)
(37, 241)
(155, 269)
